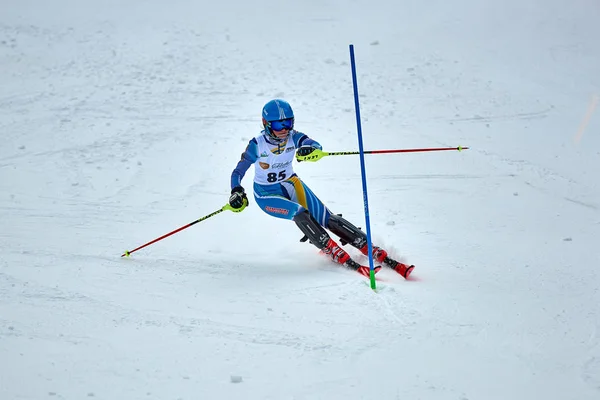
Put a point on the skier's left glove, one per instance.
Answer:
(238, 199)
(305, 150)
(309, 153)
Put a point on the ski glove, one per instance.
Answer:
(305, 150)
(238, 199)
(309, 153)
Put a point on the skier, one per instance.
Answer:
(279, 192)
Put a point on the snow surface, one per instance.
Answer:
(122, 120)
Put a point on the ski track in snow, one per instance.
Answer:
(122, 121)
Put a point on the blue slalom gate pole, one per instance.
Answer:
(362, 169)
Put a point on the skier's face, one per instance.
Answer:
(282, 134)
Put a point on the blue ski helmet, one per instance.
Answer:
(277, 110)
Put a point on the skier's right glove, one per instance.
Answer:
(238, 199)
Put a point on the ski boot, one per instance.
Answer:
(317, 235)
(340, 256)
(349, 233)
(381, 256)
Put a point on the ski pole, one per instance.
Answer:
(317, 154)
(225, 207)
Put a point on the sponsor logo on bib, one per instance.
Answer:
(281, 165)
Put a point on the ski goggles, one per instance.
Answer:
(282, 124)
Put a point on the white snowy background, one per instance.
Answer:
(121, 120)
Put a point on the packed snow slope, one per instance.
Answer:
(121, 121)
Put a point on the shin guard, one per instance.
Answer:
(347, 232)
(312, 230)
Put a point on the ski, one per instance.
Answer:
(361, 269)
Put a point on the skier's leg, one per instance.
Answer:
(273, 200)
(282, 202)
(298, 191)
(313, 231)
(347, 232)
(319, 237)
(311, 220)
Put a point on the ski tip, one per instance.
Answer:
(409, 271)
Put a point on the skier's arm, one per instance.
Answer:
(302, 140)
(305, 146)
(249, 157)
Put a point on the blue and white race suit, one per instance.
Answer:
(278, 191)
